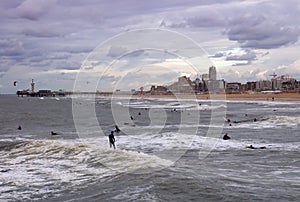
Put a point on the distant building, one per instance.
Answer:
(212, 73)
(208, 83)
(263, 85)
(198, 85)
(45, 93)
(276, 83)
(233, 87)
(215, 86)
(288, 85)
(205, 77)
(183, 85)
(159, 90)
(250, 86)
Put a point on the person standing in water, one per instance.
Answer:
(112, 140)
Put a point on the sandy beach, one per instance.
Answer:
(255, 96)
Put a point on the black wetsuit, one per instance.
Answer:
(117, 129)
(112, 140)
(251, 147)
(226, 137)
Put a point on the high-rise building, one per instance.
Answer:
(205, 77)
(212, 73)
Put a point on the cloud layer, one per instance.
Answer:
(53, 37)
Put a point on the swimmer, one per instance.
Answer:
(226, 137)
(251, 147)
(53, 133)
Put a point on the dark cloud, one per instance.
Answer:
(116, 51)
(248, 56)
(204, 18)
(11, 47)
(78, 49)
(136, 53)
(58, 56)
(262, 35)
(260, 27)
(43, 33)
(59, 34)
(69, 68)
(217, 55)
(4, 68)
(33, 10)
(207, 19)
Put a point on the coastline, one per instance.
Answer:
(244, 96)
(254, 97)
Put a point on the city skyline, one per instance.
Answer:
(245, 40)
(207, 82)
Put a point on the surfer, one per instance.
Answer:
(112, 140)
(19, 128)
(53, 133)
(226, 137)
(131, 117)
(251, 147)
(117, 129)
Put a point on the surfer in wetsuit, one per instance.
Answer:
(251, 147)
(117, 129)
(53, 133)
(226, 137)
(112, 140)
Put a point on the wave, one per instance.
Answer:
(171, 105)
(270, 121)
(282, 119)
(39, 167)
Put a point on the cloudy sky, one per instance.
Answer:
(51, 41)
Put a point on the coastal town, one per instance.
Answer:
(208, 83)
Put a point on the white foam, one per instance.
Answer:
(50, 165)
(271, 121)
(172, 104)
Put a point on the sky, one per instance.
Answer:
(65, 44)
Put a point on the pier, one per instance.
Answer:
(41, 93)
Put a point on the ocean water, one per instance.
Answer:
(172, 150)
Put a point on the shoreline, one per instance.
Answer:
(250, 97)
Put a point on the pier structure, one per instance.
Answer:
(40, 93)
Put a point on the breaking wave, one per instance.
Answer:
(33, 169)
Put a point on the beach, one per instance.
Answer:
(244, 96)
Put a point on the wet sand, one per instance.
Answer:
(256, 96)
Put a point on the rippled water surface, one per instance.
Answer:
(172, 150)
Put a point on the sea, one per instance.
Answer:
(167, 149)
